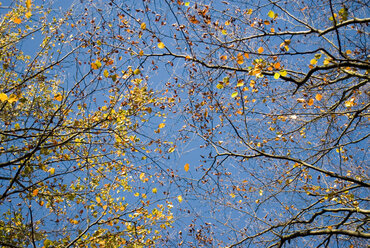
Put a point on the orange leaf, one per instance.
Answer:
(310, 102)
(17, 20)
(246, 55)
(260, 50)
(186, 167)
(162, 125)
(318, 97)
(223, 57)
(277, 65)
(240, 59)
(35, 192)
(28, 4)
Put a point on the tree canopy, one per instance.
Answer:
(184, 123)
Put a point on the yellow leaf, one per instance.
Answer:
(277, 75)
(260, 50)
(3, 97)
(143, 26)
(75, 222)
(261, 192)
(137, 71)
(142, 176)
(271, 14)
(283, 73)
(28, 4)
(161, 45)
(28, 14)
(313, 62)
(220, 86)
(224, 32)
(12, 98)
(154, 190)
(162, 125)
(232, 195)
(186, 167)
(179, 198)
(240, 83)
(171, 150)
(52, 171)
(234, 94)
(252, 83)
(98, 200)
(318, 97)
(106, 73)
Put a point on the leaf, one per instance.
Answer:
(223, 57)
(186, 167)
(313, 62)
(17, 20)
(318, 97)
(260, 50)
(142, 176)
(240, 59)
(28, 14)
(98, 199)
(220, 86)
(58, 97)
(283, 73)
(310, 102)
(301, 100)
(28, 4)
(162, 125)
(106, 73)
(277, 65)
(96, 65)
(154, 190)
(51, 171)
(234, 94)
(179, 198)
(161, 45)
(35, 192)
(277, 75)
(143, 26)
(137, 71)
(12, 98)
(240, 83)
(171, 150)
(271, 14)
(3, 97)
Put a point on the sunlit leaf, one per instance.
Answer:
(318, 97)
(3, 97)
(28, 4)
(234, 94)
(143, 26)
(98, 199)
(186, 167)
(283, 73)
(179, 198)
(260, 50)
(161, 125)
(161, 45)
(277, 75)
(240, 59)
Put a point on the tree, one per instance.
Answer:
(278, 93)
(270, 96)
(72, 114)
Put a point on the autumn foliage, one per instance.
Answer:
(184, 123)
